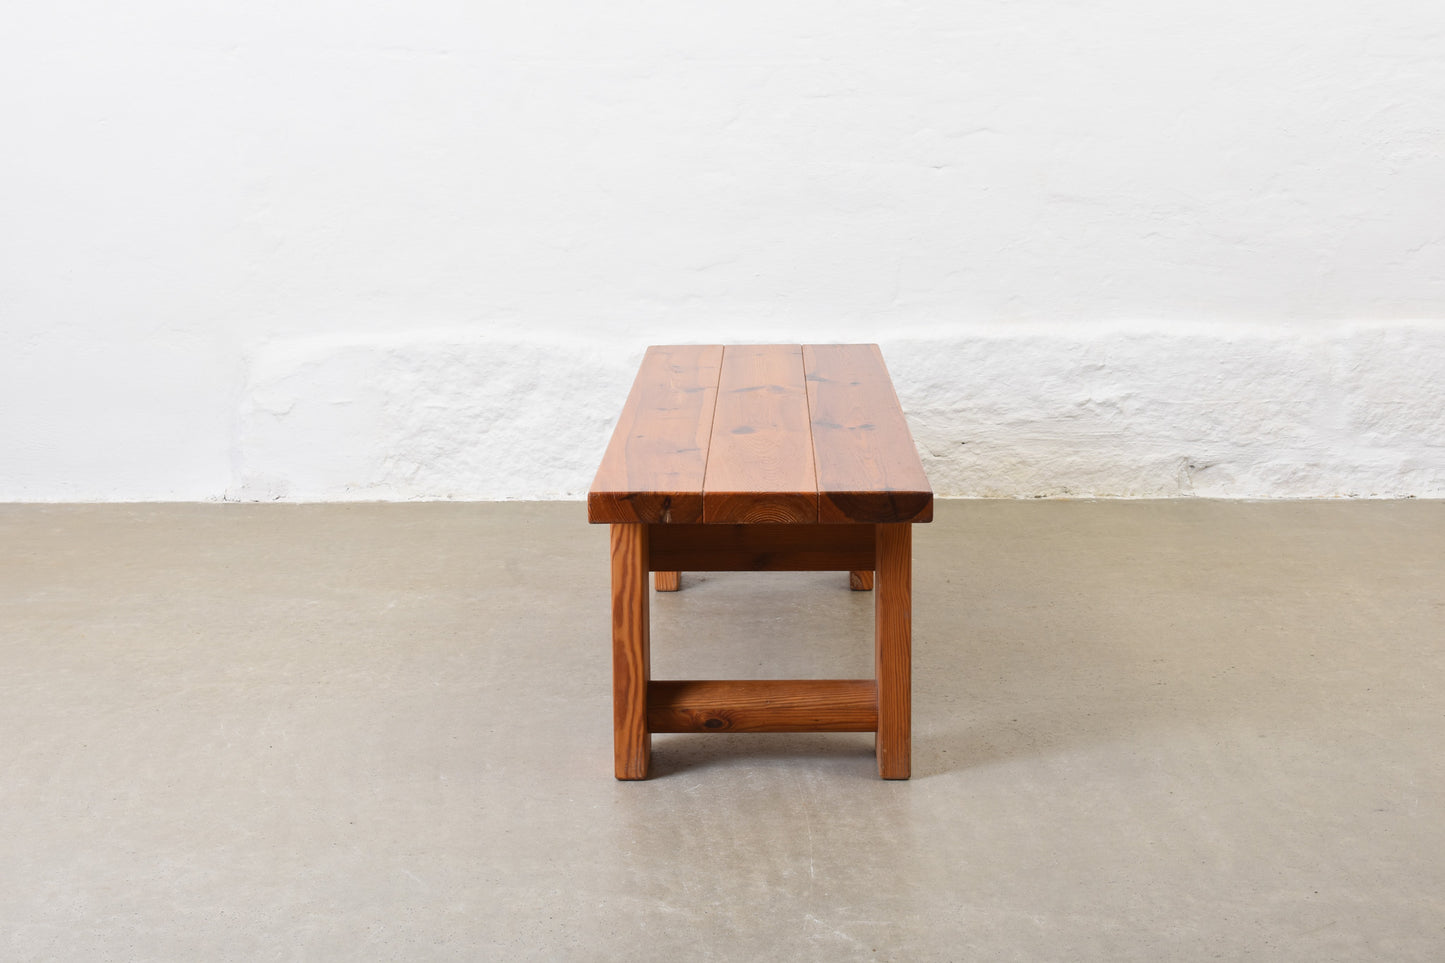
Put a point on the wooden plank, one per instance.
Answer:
(771, 705)
(860, 581)
(655, 463)
(631, 652)
(760, 548)
(893, 648)
(760, 466)
(867, 467)
(667, 581)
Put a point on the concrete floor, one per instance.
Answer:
(1183, 730)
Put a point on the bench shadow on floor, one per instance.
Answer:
(1095, 668)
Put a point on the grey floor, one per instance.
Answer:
(1184, 730)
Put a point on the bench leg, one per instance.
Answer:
(667, 581)
(631, 658)
(860, 581)
(893, 616)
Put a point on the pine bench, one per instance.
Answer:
(761, 458)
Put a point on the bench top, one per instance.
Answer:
(750, 434)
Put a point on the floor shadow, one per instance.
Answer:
(682, 753)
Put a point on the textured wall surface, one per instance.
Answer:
(1157, 247)
(1127, 411)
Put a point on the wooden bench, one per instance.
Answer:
(761, 458)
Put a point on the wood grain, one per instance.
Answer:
(760, 466)
(761, 548)
(771, 705)
(726, 460)
(893, 649)
(654, 465)
(867, 467)
(667, 581)
(631, 652)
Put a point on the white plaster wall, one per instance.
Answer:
(373, 250)
(1123, 411)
